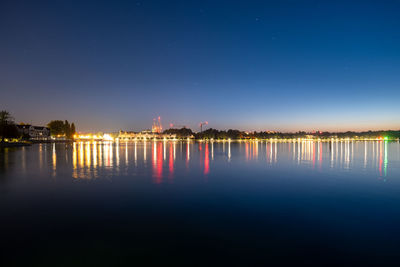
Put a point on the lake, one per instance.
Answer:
(195, 204)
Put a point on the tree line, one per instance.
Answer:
(62, 128)
(9, 130)
(237, 134)
(7, 126)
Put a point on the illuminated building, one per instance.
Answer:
(143, 135)
(155, 133)
(34, 132)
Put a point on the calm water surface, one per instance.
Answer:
(196, 204)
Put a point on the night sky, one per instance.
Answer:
(250, 65)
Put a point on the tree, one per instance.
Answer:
(67, 130)
(56, 127)
(7, 127)
(180, 133)
(63, 128)
(207, 134)
(73, 130)
(5, 118)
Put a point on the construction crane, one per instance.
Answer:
(157, 127)
(176, 126)
(201, 125)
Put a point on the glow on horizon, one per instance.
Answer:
(288, 73)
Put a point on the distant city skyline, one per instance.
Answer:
(196, 128)
(253, 65)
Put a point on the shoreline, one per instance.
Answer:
(32, 142)
(270, 140)
(15, 144)
(50, 141)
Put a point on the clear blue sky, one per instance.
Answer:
(255, 65)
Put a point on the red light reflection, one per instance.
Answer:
(171, 160)
(157, 163)
(206, 161)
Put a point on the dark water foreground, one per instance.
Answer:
(200, 204)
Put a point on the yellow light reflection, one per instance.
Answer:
(54, 158)
(187, 151)
(144, 151)
(81, 155)
(94, 154)
(111, 158)
(126, 154)
(101, 155)
(212, 150)
(165, 149)
(365, 154)
(74, 162)
(135, 153)
(154, 151)
(229, 150)
(87, 148)
(117, 153)
(174, 150)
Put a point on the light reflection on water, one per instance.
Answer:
(88, 160)
(301, 197)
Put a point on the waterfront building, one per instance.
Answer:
(143, 135)
(34, 132)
